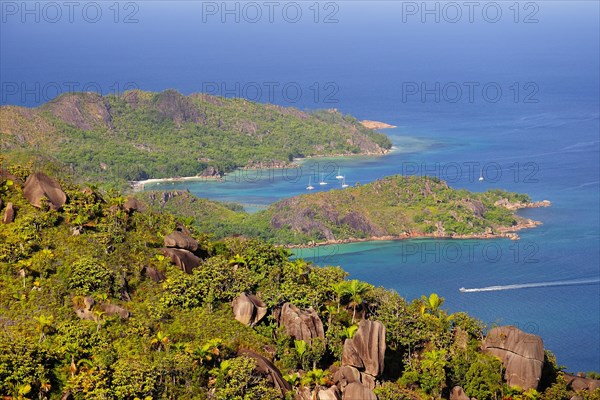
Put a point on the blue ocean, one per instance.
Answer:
(506, 91)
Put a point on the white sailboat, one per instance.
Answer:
(339, 175)
(481, 175)
(310, 186)
(344, 184)
(322, 183)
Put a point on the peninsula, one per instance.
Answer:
(141, 135)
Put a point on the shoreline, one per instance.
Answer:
(139, 185)
(501, 232)
(508, 234)
(297, 162)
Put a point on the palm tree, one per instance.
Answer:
(161, 340)
(98, 316)
(339, 289)
(432, 304)
(44, 325)
(301, 347)
(356, 289)
(207, 352)
(292, 379)
(331, 310)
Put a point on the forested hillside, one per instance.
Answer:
(140, 135)
(103, 298)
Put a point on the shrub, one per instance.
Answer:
(89, 276)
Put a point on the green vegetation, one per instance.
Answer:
(181, 340)
(141, 135)
(394, 206)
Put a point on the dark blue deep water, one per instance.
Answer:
(508, 91)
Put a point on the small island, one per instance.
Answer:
(392, 208)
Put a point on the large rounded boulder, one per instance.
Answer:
(184, 259)
(132, 204)
(9, 213)
(458, 393)
(356, 391)
(331, 393)
(521, 353)
(347, 375)
(248, 309)
(578, 383)
(300, 324)
(86, 308)
(366, 349)
(39, 186)
(181, 240)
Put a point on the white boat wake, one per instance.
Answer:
(531, 285)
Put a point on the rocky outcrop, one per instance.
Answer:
(184, 259)
(578, 383)
(475, 206)
(347, 375)
(307, 219)
(518, 205)
(458, 393)
(176, 107)
(303, 393)
(154, 274)
(181, 240)
(366, 349)
(38, 186)
(9, 213)
(85, 111)
(248, 309)
(300, 324)
(376, 124)
(211, 171)
(268, 370)
(356, 391)
(332, 393)
(132, 204)
(521, 353)
(86, 310)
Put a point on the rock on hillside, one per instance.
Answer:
(40, 186)
(366, 348)
(248, 309)
(521, 353)
(300, 324)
